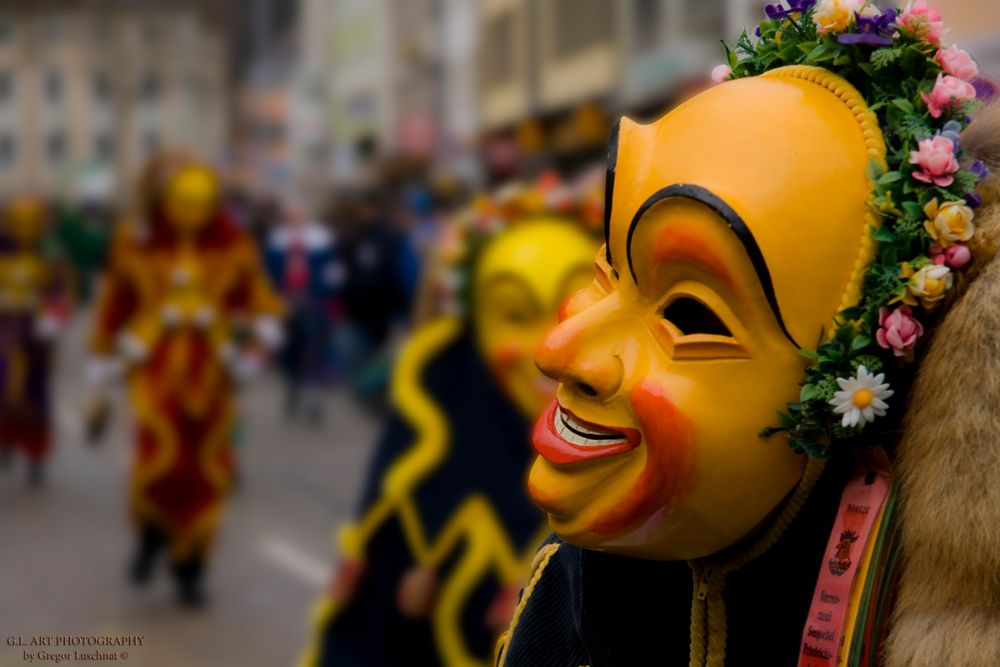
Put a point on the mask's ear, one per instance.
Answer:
(949, 460)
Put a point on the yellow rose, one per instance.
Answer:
(929, 284)
(949, 223)
(836, 15)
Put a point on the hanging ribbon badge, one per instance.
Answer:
(860, 505)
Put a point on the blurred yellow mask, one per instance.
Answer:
(521, 279)
(25, 220)
(734, 229)
(191, 198)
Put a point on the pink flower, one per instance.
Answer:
(721, 73)
(936, 159)
(949, 91)
(898, 330)
(954, 257)
(922, 21)
(957, 62)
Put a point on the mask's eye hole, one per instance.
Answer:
(690, 316)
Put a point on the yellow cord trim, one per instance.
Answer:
(428, 422)
(875, 145)
(708, 611)
(541, 561)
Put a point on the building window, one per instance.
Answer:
(582, 24)
(100, 32)
(53, 86)
(6, 86)
(647, 21)
(7, 150)
(498, 49)
(55, 146)
(705, 17)
(52, 31)
(102, 87)
(104, 147)
(151, 32)
(149, 87)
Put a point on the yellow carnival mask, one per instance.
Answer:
(522, 278)
(191, 198)
(25, 221)
(733, 232)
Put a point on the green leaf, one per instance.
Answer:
(874, 170)
(809, 354)
(904, 104)
(808, 392)
(913, 209)
(860, 343)
(884, 235)
(889, 177)
(807, 47)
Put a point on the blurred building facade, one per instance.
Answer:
(89, 89)
(263, 153)
(472, 83)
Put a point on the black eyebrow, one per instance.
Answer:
(735, 223)
(609, 187)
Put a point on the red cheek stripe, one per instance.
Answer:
(670, 456)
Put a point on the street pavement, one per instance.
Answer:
(64, 548)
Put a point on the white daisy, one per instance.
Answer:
(862, 398)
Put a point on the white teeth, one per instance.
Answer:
(572, 431)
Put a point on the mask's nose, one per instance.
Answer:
(580, 354)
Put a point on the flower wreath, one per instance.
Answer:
(463, 238)
(923, 96)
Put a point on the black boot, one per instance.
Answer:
(188, 577)
(151, 542)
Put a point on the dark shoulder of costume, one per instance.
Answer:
(583, 607)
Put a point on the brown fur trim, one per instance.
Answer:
(948, 610)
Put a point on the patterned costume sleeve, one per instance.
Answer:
(255, 295)
(116, 301)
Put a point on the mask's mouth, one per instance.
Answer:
(561, 437)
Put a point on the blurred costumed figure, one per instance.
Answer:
(34, 307)
(776, 438)
(301, 257)
(185, 310)
(430, 568)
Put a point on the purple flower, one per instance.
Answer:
(874, 30)
(953, 130)
(776, 11)
(973, 199)
(980, 170)
(986, 89)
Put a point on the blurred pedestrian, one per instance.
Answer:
(186, 310)
(34, 307)
(301, 257)
(380, 279)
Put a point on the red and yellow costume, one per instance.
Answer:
(179, 292)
